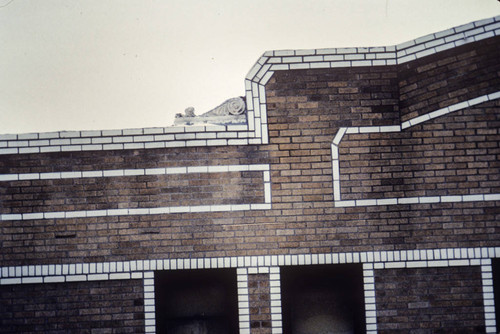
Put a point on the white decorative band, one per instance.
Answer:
(133, 172)
(488, 297)
(398, 128)
(284, 60)
(149, 303)
(128, 139)
(266, 205)
(370, 304)
(49, 273)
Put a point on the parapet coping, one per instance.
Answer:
(255, 131)
(398, 128)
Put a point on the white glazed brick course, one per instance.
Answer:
(397, 128)
(488, 296)
(264, 168)
(443, 257)
(149, 302)
(275, 297)
(243, 300)
(122, 139)
(370, 304)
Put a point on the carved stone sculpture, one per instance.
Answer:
(234, 106)
(231, 111)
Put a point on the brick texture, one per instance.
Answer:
(260, 304)
(79, 307)
(430, 300)
(440, 80)
(456, 154)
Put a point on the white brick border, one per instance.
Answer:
(488, 296)
(338, 202)
(243, 301)
(370, 303)
(149, 302)
(129, 139)
(266, 205)
(245, 265)
(255, 131)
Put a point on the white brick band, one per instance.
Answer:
(149, 302)
(243, 301)
(275, 297)
(488, 296)
(444, 257)
(370, 304)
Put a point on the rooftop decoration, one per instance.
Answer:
(232, 111)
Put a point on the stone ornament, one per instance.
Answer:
(234, 106)
(231, 111)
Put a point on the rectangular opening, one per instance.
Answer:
(196, 301)
(323, 299)
(495, 267)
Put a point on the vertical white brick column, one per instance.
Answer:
(243, 301)
(149, 303)
(370, 306)
(275, 296)
(488, 296)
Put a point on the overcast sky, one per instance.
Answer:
(114, 64)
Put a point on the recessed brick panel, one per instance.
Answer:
(260, 303)
(145, 191)
(79, 307)
(430, 300)
(456, 154)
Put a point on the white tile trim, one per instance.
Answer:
(369, 295)
(336, 176)
(488, 296)
(275, 298)
(243, 300)
(383, 259)
(264, 168)
(149, 302)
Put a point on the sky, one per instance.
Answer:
(117, 64)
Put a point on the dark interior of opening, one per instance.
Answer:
(323, 299)
(196, 301)
(495, 266)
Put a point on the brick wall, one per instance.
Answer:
(79, 307)
(430, 300)
(386, 157)
(259, 298)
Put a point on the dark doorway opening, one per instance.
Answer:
(495, 267)
(323, 299)
(196, 301)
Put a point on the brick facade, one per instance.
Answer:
(80, 307)
(430, 300)
(386, 158)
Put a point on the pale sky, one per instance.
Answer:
(115, 64)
